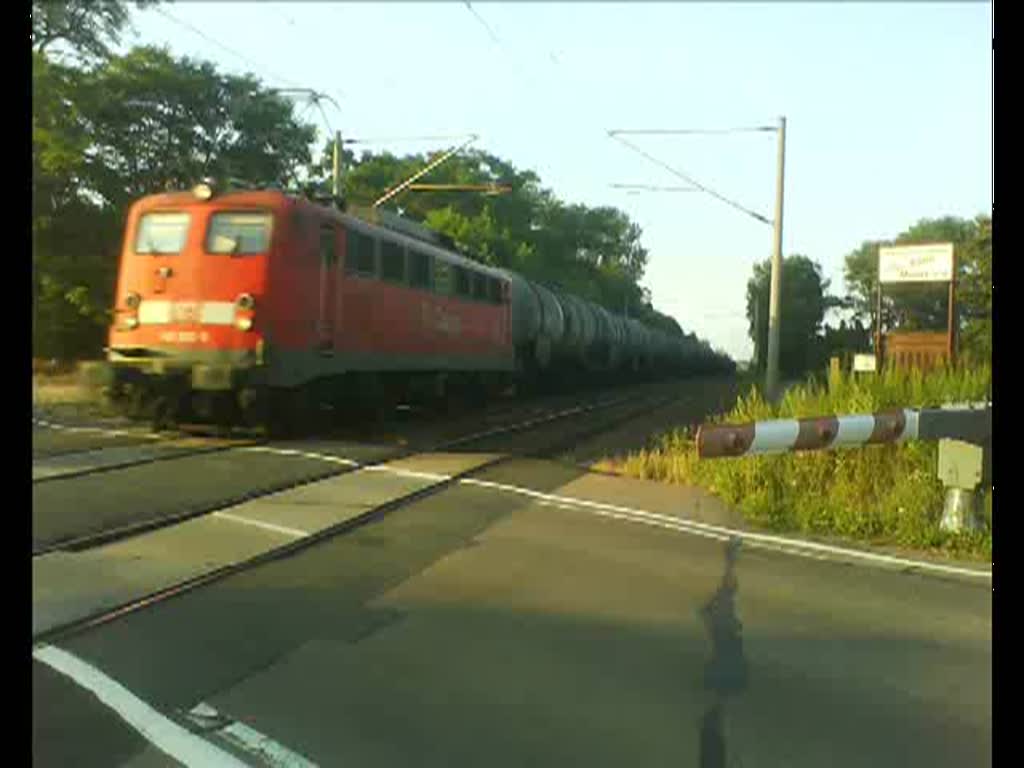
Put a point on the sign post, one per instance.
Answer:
(929, 263)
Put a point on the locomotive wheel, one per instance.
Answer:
(252, 407)
(226, 413)
(279, 422)
(162, 413)
(290, 412)
(134, 403)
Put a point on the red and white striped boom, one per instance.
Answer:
(826, 432)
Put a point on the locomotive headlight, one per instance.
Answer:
(203, 191)
(245, 302)
(131, 323)
(132, 300)
(243, 323)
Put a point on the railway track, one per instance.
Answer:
(117, 446)
(182, 453)
(541, 435)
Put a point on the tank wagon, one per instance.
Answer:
(257, 305)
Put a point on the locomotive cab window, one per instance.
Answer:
(162, 233)
(461, 281)
(479, 286)
(392, 261)
(361, 259)
(419, 269)
(238, 233)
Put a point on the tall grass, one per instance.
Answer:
(880, 494)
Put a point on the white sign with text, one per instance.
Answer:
(916, 263)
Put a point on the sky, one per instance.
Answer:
(888, 109)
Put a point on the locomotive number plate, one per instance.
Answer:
(184, 337)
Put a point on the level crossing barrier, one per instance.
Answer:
(964, 432)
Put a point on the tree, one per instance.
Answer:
(804, 301)
(73, 241)
(154, 121)
(924, 306)
(88, 27)
(846, 340)
(975, 292)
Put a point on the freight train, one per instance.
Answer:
(259, 306)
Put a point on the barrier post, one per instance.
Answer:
(960, 468)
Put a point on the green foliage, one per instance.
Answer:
(845, 341)
(88, 27)
(882, 494)
(155, 122)
(804, 301)
(975, 292)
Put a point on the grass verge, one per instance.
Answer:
(881, 495)
(63, 394)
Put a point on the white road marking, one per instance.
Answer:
(265, 749)
(295, 532)
(407, 473)
(778, 543)
(163, 733)
(101, 430)
(302, 454)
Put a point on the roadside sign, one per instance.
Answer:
(864, 363)
(925, 263)
(916, 263)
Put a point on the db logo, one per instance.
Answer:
(186, 311)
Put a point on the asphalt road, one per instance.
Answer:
(48, 442)
(519, 616)
(482, 627)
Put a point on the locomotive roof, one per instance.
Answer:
(278, 200)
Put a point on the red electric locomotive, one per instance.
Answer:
(257, 304)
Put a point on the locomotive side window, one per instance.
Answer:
(392, 261)
(479, 286)
(238, 233)
(361, 254)
(443, 277)
(461, 281)
(328, 247)
(419, 269)
(162, 233)
(494, 290)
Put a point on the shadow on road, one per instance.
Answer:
(725, 674)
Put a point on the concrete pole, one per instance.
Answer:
(775, 306)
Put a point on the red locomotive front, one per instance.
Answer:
(189, 311)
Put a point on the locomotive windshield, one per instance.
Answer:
(238, 233)
(162, 233)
